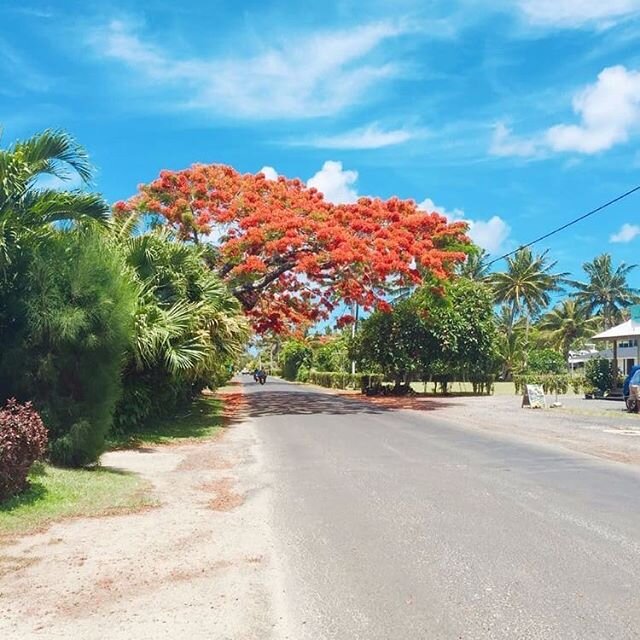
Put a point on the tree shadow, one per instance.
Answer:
(35, 492)
(274, 403)
(198, 420)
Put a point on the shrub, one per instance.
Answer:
(578, 383)
(550, 383)
(294, 354)
(339, 380)
(23, 440)
(598, 374)
(303, 374)
(80, 322)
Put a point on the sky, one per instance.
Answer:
(516, 116)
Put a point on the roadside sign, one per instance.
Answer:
(533, 397)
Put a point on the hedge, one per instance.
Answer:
(339, 380)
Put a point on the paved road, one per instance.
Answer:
(398, 525)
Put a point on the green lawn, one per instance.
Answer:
(500, 388)
(201, 420)
(56, 493)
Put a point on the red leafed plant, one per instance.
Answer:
(23, 440)
(290, 256)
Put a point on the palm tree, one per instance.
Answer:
(187, 321)
(475, 266)
(27, 210)
(511, 342)
(607, 291)
(526, 286)
(567, 322)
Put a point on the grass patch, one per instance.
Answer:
(55, 494)
(202, 419)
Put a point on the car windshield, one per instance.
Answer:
(635, 379)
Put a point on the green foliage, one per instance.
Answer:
(598, 374)
(550, 383)
(340, 380)
(578, 383)
(77, 301)
(444, 337)
(526, 285)
(566, 324)
(546, 361)
(26, 212)
(332, 355)
(294, 354)
(189, 330)
(303, 374)
(607, 291)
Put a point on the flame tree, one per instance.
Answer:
(290, 256)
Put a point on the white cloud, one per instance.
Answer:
(577, 13)
(369, 137)
(317, 74)
(489, 234)
(609, 112)
(269, 173)
(337, 185)
(429, 205)
(627, 233)
(504, 143)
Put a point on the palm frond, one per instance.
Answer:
(54, 152)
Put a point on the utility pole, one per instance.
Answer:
(354, 327)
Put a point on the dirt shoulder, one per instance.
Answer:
(599, 428)
(197, 566)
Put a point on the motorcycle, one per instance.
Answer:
(262, 378)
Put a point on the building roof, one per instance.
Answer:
(628, 329)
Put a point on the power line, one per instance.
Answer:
(568, 224)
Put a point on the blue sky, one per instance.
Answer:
(516, 116)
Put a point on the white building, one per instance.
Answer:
(625, 345)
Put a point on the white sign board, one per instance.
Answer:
(533, 397)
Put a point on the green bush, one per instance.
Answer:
(598, 374)
(578, 383)
(293, 355)
(76, 319)
(340, 380)
(550, 383)
(303, 374)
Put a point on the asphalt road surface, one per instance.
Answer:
(399, 525)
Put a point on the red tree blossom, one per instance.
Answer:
(290, 256)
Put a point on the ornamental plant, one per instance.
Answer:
(290, 256)
(23, 440)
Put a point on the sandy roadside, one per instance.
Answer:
(201, 565)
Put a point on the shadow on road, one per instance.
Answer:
(273, 403)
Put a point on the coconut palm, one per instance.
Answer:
(475, 266)
(26, 209)
(527, 284)
(566, 323)
(607, 291)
